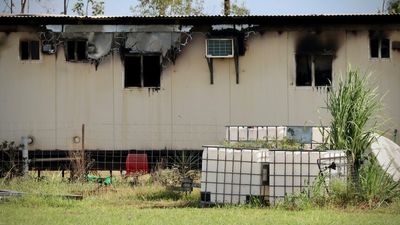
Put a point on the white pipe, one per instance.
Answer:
(25, 166)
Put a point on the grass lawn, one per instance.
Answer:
(145, 204)
(125, 214)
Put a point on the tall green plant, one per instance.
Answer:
(353, 105)
(377, 185)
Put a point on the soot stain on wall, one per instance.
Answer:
(318, 43)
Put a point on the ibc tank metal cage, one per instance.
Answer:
(242, 176)
(254, 175)
(311, 137)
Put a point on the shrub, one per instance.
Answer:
(9, 166)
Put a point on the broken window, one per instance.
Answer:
(142, 70)
(379, 47)
(29, 50)
(323, 70)
(313, 70)
(303, 70)
(385, 48)
(76, 50)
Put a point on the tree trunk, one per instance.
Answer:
(227, 7)
(65, 7)
(23, 4)
(87, 7)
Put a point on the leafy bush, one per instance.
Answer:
(9, 166)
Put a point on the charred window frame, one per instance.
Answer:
(76, 50)
(313, 70)
(142, 70)
(379, 47)
(29, 50)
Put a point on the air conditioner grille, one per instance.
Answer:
(219, 48)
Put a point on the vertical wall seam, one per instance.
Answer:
(230, 94)
(113, 95)
(55, 103)
(287, 77)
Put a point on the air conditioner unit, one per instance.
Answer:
(219, 48)
(48, 49)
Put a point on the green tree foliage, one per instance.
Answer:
(393, 6)
(239, 9)
(82, 9)
(168, 7)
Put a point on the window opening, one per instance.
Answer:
(313, 70)
(374, 48)
(385, 48)
(76, 50)
(303, 70)
(142, 70)
(323, 70)
(379, 47)
(29, 50)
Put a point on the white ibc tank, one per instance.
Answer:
(235, 176)
(232, 175)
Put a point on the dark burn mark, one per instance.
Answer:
(396, 45)
(317, 44)
(377, 34)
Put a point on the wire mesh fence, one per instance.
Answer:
(108, 160)
(229, 175)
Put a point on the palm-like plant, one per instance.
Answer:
(185, 162)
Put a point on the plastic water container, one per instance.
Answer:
(136, 163)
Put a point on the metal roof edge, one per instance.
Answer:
(45, 19)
